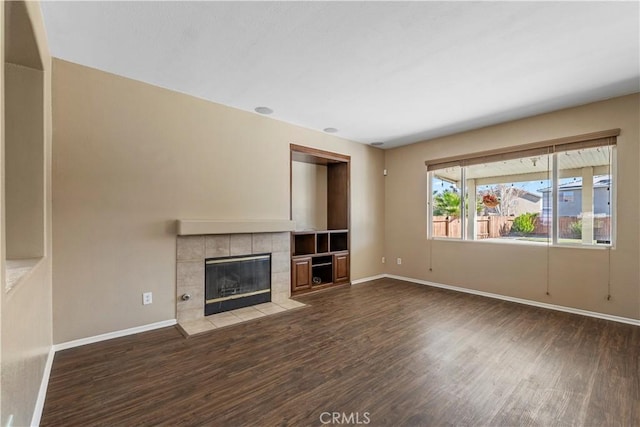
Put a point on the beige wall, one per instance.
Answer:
(2, 227)
(131, 158)
(24, 180)
(577, 277)
(309, 196)
(26, 325)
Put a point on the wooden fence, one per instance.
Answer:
(493, 226)
(601, 227)
(446, 226)
(487, 226)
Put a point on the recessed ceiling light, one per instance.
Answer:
(263, 110)
(330, 130)
(377, 144)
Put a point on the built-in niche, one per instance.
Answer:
(309, 195)
(320, 209)
(24, 145)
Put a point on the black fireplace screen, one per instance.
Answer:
(236, 282)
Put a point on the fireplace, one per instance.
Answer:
(236, 282)
(192, 251)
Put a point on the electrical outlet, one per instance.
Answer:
(147, 298)
(383, 260)
(399, 261)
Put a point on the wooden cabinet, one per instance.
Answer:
(301, 273)
(320, 258)
(341, 268)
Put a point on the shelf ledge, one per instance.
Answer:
(17, 269)
(189, 227)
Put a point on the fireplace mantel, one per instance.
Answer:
(190, 227)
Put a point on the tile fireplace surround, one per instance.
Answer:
(192, 250)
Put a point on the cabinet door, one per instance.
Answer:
(341, 268)
(301, 274)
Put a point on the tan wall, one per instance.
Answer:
(24, 180)
(2, 227)
(309, 196)
(131, 158)
(26, 326)
(577, 277)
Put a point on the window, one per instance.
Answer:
(560, 194)
(446, 195)
(516, 186)
(584, 188)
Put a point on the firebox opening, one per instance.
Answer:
(236, 282)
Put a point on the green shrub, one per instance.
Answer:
(576, 229)
(447, 204)
(524, 223)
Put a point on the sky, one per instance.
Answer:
(530, 186)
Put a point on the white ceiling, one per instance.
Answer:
(397, 72)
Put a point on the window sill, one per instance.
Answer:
(18, 269)
(590, 247)
(525, 243)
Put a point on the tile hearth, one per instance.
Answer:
(228, 318)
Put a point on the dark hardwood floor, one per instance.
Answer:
(389, 352)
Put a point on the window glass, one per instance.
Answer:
(445, 201)
(584, 196)
(509, 199)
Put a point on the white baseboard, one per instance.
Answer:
(368, 279)
(115, 334)
(42, 393)
(572, 310)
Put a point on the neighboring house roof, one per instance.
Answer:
(530, 197)
(598, 182)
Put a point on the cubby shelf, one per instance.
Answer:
(319, 242)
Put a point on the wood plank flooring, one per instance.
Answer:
(405, 354)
